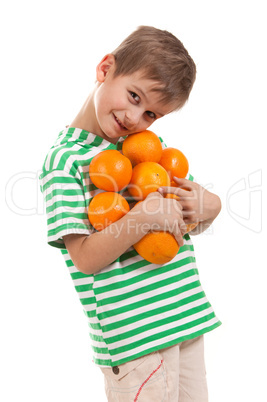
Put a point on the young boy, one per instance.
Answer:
(146, 321)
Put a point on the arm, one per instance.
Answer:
(198, 204)
(92, 253)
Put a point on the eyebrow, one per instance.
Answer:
(138, 89)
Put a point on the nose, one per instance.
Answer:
(133, 116)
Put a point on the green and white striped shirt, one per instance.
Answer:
(133, 307)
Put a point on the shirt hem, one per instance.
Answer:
(173, 342)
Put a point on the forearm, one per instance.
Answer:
(201, 227)
(213, 212)
(102, 248)
(92, 253)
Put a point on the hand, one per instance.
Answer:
(162, 214)
(198, 204)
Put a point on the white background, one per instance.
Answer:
(49, 51)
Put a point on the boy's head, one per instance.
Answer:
(148, 76)
(161, 57)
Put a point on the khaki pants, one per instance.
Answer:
(173, 374)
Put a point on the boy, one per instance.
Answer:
(146, 321)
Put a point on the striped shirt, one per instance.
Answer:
(133, 307)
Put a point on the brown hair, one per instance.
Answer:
(163, 58)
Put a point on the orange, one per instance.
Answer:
(110, 170)
(106, 208)
(157, 247)
(142, 147)
(190, 227)
(147, 177)
(174, 196)
(175, 162)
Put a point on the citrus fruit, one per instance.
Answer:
(147, 177)
(110, 170)
(175, 162)
(190, 227)
(142, 147)
(106, 208)
(173, 196)
(157, 247)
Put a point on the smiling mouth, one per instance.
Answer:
(120, 123)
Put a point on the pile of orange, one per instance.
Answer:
(105, 208)
(157, 247)
(146, 178)
(175, 162)
(142, 147)
(110, 170)
(142, 167)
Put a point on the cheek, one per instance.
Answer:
(119, 102)
(109, 98)
(101, 104)
(144, 126)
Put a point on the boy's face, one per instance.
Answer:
(126, 104)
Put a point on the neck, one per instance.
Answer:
(86, 118)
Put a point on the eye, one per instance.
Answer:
(135, 96)
(151, 114)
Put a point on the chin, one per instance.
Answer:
(109, 136)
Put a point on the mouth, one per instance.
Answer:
(122, 127)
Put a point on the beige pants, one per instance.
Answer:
(173, 374)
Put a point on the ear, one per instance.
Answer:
(104, 67)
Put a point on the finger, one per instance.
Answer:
(160, 191)
(180, 192)
(189, 218)
(154, 194)
(179, 239)
(179, 231)
(186, 184)
(188, 212)
(183, 228)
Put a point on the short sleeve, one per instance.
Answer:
(66, 206)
